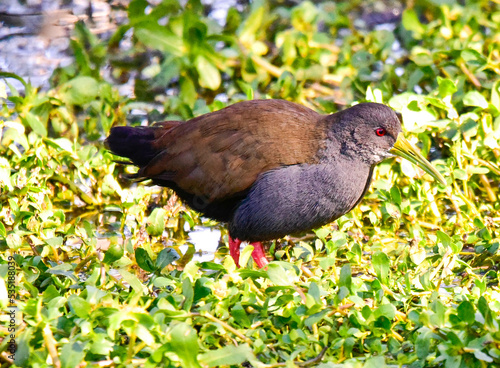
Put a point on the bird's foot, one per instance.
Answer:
(258, 253)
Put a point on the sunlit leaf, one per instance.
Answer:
(143, 260)
(227, 355)
(79, 91)
(34, 123)
(72, 354)
(184, 342)
(208, 73)
(79, 306)
(474, 98)
(156, 222)
(381, 266)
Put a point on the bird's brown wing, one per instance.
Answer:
(220, 154)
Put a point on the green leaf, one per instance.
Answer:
(387, 310)
(13, 76)
(240, 316)
(444, 238)
(228, 355)
(166, 257)
(392, 210)
(188, 293)
(474, 98)
(482, 356)
(5, 171)
(143, 260)
(381, 264)
(466, 312)
(448, 242)
(479, 170)
(314, 292)
(396, 195)
(342, 293)
(460, 174)
(453, 361)
(423, 344)
(446, 87)
(101, 344)
(246, 254)
(208, 73)
(72, 354)
(113, 253)
(410, 22)
(422, 58)
(34, 123)
(345, 278)
(3, 231)
(79, 91)
(132, 280)
(495, 94)
(247, 89)
(484, 308)
(454, 339)
(375, 362)
(79, 306)
(159, 38)
(281, 273)
(252, 25)
(156, 222)
(23, 347)
(184, 343)
(469, 127)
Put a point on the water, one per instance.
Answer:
(205, 240)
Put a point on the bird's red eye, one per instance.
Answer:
(380, 132)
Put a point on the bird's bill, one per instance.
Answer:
(403, 148)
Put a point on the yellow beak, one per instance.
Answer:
(404, 149)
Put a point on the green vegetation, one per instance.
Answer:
(407, 279)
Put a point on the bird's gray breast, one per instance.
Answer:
(298, 198)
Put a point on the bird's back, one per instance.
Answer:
(214, 159)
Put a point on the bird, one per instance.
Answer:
(268, 167)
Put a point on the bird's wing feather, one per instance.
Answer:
(220, 154)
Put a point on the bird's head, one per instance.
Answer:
(372, 132)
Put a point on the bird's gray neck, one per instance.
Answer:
(338, 147)
(343, 145)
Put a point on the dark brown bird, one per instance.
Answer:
(268, 167)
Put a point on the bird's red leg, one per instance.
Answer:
(234, 250)
(259, 255)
